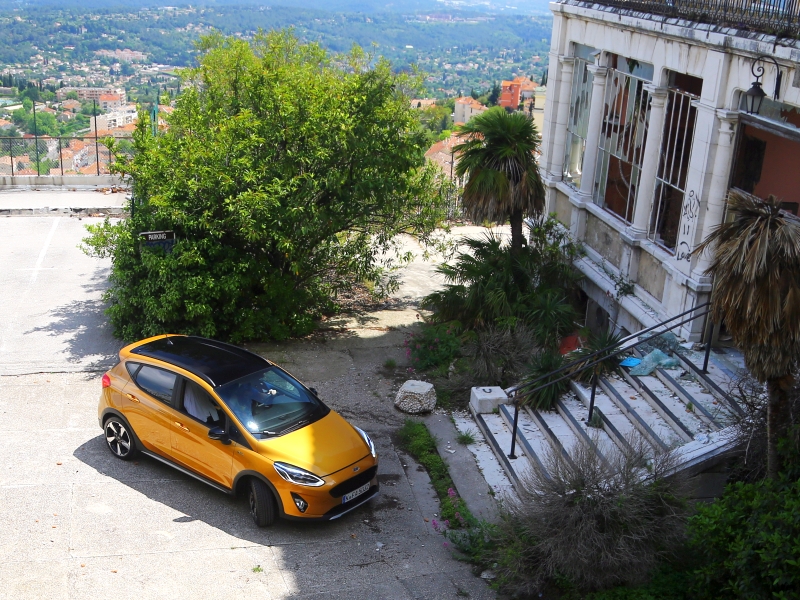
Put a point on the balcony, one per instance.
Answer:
(776, 17)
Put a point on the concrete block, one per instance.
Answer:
(486, 399)
(416, 397)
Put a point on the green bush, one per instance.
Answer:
(545, 362)
(434, 346)
(488, 285)
(277, 199)
(750, 542)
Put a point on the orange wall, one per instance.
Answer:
(780, 174)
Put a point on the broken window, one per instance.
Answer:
(578, 123)
(622, 139)
(766, 162)
(676, 149)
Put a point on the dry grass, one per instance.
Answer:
(596, 524)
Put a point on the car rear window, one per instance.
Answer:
(159, 383)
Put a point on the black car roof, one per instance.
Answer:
(216, 362)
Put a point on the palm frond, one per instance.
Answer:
(756, 267)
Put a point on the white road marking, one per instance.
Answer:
(42, 254)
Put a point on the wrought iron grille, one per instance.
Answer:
(778, 17)
(622, 140)
(578, 124)
(676, 148)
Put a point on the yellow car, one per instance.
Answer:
(239, 423)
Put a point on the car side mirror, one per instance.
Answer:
(219, 433)
(314, 391)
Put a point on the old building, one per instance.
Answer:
(649, 122)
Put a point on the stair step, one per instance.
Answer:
(556, 432)
(529, 436)
(642, 416)
(498, 434)
(705, 404)
(615, 423)
(716, 381)
(578, 415)
(671, 408)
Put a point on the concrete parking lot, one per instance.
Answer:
(79, 523)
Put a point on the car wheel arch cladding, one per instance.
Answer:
(112, 412)
(240, 485)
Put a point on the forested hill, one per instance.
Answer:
(458, 49)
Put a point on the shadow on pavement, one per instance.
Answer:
(83, 329)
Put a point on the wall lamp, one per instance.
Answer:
(756, 94)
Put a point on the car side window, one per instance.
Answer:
(198, 404)
(156, 382)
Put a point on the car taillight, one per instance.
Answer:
(106, 381)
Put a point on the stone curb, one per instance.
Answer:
(468, 479)
(113, 211)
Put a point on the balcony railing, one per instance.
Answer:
(57, 156)
(777, 17)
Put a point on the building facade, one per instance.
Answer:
(647, 128)
(92, 93)
(466, 108)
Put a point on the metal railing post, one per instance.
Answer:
(36, 138)
(60, 157)
(11, 153)
(591, 399)
(709, 337)
(514, 428)
(96, 146)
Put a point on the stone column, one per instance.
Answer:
(561, 99)
(650, 161)
(596, 110)
(720, 178)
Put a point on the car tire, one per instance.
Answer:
(262, 504)
(119, 438)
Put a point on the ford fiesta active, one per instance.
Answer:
(239, 423)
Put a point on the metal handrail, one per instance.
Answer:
(584, 365)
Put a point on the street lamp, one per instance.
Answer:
(756, 94)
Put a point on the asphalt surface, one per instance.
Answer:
(79, 523)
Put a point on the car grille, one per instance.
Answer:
(353, 483)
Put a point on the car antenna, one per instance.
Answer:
(169, 341)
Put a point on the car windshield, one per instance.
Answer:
(270, 402)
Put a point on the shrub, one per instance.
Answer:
(500, 354)
(595, 524)
(488, 285)
(277, 199)
(546, 361)
(750, 540)
(607, 364)
(434, 346)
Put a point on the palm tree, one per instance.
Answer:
(756, 266)
(497, 155)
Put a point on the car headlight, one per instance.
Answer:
(367, 440)
(297, 475)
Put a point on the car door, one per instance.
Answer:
(148, 406)
(197, 413)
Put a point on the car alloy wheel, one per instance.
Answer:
(119, 439)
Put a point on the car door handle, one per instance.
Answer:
(182, 426)
(132, 398)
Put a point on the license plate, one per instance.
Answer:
(355, 493)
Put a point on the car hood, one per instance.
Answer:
(324, 447)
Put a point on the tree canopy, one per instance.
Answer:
(285, 173)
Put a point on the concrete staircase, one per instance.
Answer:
(682, 410)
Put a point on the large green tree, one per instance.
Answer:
(756, 270)
(498, 159)
(286, 174)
